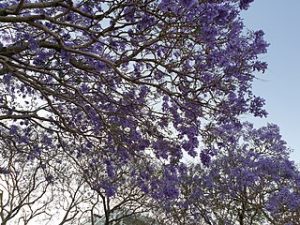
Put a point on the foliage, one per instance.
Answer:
(125, 90)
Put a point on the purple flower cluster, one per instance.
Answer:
(244, 4)
(254, 177)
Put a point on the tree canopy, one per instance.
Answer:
(123, 91)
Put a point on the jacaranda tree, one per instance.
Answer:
(249, 182)
(30, 195)
(125, 84)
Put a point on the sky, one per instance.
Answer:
(280, 85)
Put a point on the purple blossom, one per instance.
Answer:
(110, 169)
(187, 3)
(110, 190)
(13, 130)
(129, 13)
(100, 66)
(65, 55)
(244, 4)
(205, 158)
(260, 66)
(256, 107)
(7, 79)
(170, 191)
(47, 140)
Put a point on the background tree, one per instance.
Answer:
(57, 193)
(251, 182)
